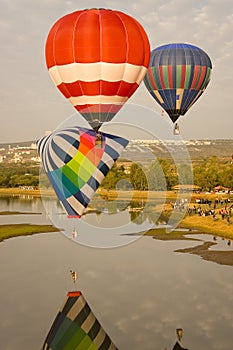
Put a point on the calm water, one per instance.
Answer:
(140, 292)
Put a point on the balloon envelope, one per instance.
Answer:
(76, 166)
(97, 58)
(76, 327)
(177, 76)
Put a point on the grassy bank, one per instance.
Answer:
(164, 235)
(202, 225)
(206, 224)
(9, 231)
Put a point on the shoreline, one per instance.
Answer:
(120, 194)
(202, 224)
(221, 257)
(17, 192)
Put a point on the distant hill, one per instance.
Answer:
(147, 149)
(197, 149)
(16, 144)
(208, 148)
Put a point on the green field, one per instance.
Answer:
(9, 231)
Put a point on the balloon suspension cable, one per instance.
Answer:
(96, 125)
(176, 130)
(99, 140)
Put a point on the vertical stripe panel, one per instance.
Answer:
(178, 76)
(152, 79)
(156, 75)
(197, 73)
(179, 101)
(207, 77)
(159, 97)
(170, 78)
(195, 77)
(201, 77)
(187, 77)
(165, 73)
(183, 75)
(161, 77)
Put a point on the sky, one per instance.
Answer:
(30, 104)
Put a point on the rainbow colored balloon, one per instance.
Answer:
(76, 166)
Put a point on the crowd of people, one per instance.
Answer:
(217, 208)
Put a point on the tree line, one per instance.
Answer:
(16, 175)
(164, 174)
(161, 174)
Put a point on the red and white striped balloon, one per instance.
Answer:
(97, 58)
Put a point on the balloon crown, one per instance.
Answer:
(97, 8)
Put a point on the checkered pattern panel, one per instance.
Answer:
(76, 166)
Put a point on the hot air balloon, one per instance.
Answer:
(76, 327)
(177, 76)
(75, 166)
(97, 58)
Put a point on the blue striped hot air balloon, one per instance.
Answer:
(177, 76)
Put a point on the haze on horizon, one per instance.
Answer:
(31, 104)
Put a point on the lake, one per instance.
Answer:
(138, 287)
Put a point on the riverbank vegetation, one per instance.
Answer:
(18, 213)
(9, 231)
(208, 225)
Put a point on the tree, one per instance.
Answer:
(185, 173)
(207, 174)
(162, 175)
(138, 177)
(115, 175)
